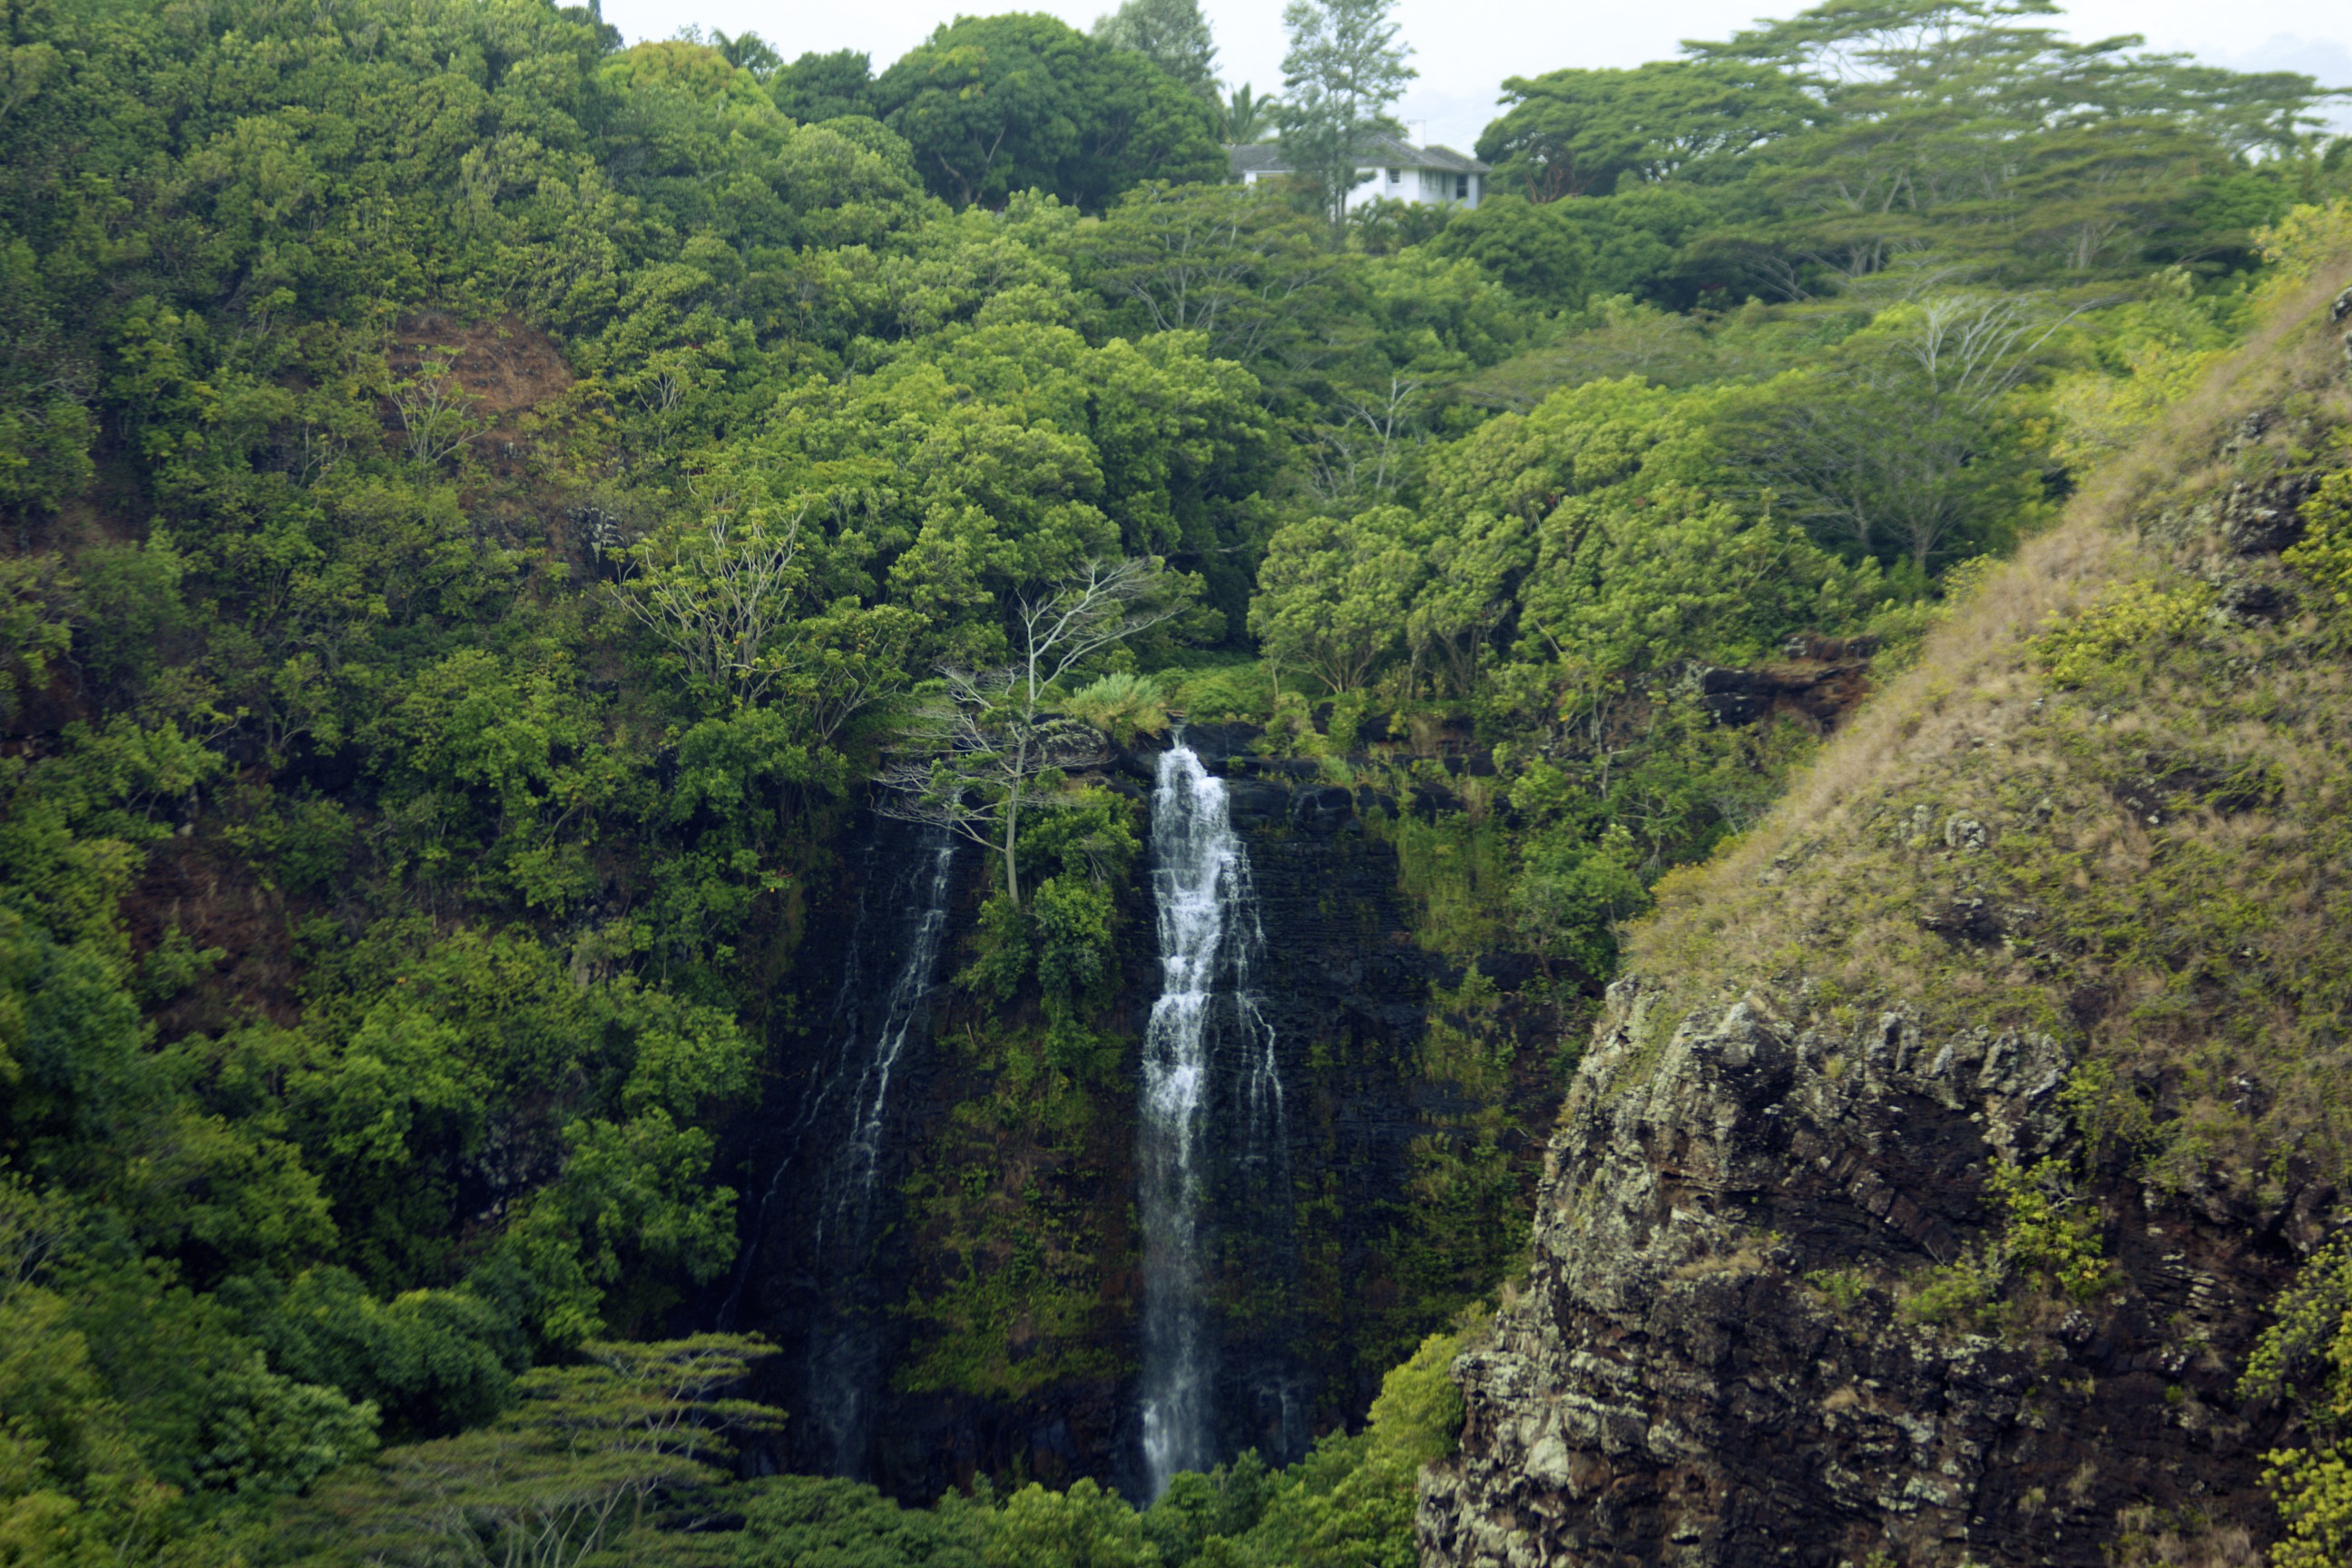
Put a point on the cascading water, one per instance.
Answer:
(1206, 1014)
(834, 1147)
(845, 1342)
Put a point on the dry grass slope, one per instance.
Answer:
(2112, 800)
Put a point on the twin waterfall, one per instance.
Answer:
(1207, 1053)
(1213, 1177)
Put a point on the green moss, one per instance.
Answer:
(1455, 872)
(1010, 1293)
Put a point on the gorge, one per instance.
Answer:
(829, 813)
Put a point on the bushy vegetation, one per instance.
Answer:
(2109, 806)
(482, 502)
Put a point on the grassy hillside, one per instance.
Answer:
(2112, 798)
(2111, 804)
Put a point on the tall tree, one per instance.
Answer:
(1966, 128)
(1345, 67)
(990, 749)
(1171, 35)
(1576, 132)
(992, 105)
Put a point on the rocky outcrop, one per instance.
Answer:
(1708, 1366)
(1816, 681)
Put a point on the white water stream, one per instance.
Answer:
(1209, 934)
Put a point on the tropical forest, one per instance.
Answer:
(774, 809)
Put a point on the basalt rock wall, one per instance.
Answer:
(1683, 1380)
(1314, 1299)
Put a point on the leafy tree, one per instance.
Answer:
(1332, 594)
(431, 1363)
(996, 105)
(1344, 68)
(816, 86)
(1083, 1527)
(1579, 133)
(1171, 35)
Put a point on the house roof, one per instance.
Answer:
(1374, 151)
(1261, 158)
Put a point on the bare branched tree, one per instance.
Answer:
(987, 748)
(719, 595)
(1354, 458)
(436, 411)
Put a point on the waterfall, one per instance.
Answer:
(845, 1342)
(1207, 1014)
(836, 1146)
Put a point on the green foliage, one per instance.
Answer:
(1842, 1286)
(1351, 1501)
(2304, 1358)
(1122, 705)
(2325, 553)
(432, 1363)
(2044, 1232)
(2112, 637)
(808, 1522)
(997, 105)
(2043, 1241)
(132, 1409)
(1332, 594)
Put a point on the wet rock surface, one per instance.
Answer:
(1709, 1366)
(1347, 990)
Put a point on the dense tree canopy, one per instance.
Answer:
(995, 105)
(483, 504)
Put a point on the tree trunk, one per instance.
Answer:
(1012, 841)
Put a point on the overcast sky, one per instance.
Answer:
(1465, 47)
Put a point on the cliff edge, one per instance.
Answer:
(1929, 1181)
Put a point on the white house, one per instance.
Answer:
(1386, 169)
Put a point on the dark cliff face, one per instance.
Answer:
(1686, 1381)
(1350, 990)
(1000, 1300)
(801, 1283)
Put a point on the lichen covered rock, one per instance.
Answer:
(1710, 1363)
